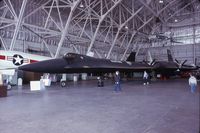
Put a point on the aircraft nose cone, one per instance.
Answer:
(48, 66)
(30, 67)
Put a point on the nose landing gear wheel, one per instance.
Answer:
(63, 83)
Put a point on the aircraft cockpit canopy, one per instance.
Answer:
(70, 56)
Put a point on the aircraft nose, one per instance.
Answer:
(48, 66)
(35, 67)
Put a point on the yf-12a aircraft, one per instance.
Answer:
(77, 63)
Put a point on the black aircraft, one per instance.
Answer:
(76, 63)
(171, 67)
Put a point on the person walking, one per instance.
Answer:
(192, 83)
(117, 82)
(145, 78)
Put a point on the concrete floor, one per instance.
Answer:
(162, 107)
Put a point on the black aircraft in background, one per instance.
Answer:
(170, 67)
(76, 63)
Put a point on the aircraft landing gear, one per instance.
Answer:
(63, 83)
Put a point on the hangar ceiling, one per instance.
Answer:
(104, 27)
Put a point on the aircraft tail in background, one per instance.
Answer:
(131, 57)
(149, 58)
(169, 56)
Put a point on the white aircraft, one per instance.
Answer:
(10, 60)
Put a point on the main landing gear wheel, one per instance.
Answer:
(63, 83)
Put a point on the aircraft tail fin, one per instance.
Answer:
(131, 57)
(169, 55)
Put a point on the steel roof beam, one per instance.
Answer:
(59, 14)
(163, 9)
(152, 11)
(10, 7)
(65, 30)
(59, 28)
(3, 43)
(127, 48)
(180, 10)
(99, 23)
(37, 9)
(121, 26)
(49, 14)
(18, 24)
(132, 36)
(4, 14)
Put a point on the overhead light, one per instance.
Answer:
(81, 5)
(161, 1)
(176, 20)
(126, 27)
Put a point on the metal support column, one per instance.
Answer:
(98, 26)
(121, 26)
(65, 30)
(132, 36)
(3, 43)
(4, 14)
(18, 24)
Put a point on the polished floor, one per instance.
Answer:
(161, 107)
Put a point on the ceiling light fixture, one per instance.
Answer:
(81, 5)
(161, 1)
(126, 27)
(175, 20)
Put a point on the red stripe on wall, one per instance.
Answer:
(2, 57)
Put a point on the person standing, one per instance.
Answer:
(192, 83)
(117, 82)
(145, 78)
